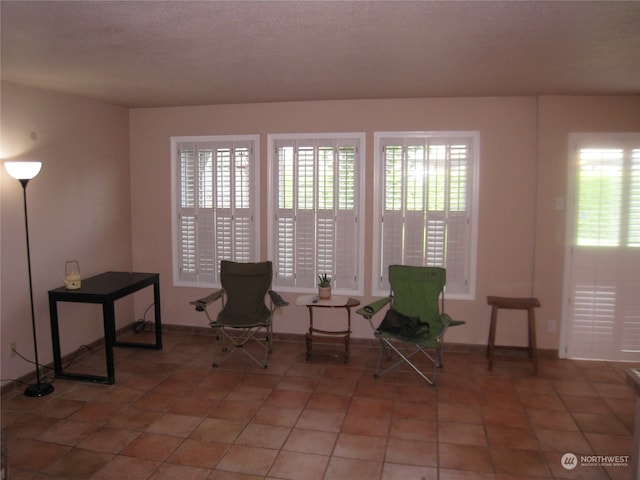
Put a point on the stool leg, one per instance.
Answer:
(492, 335)
(533, 349)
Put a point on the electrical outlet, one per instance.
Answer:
(551, 326)
(12, 349)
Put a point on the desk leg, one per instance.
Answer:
(108, 313)
(156, 310)
(55, 337)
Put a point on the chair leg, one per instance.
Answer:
(406, 358)
(440, 350)
(238, 341)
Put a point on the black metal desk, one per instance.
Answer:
(105, 289)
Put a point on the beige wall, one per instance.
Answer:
(103, 197)
(79, 208)
(523, 166)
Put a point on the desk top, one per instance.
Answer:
(107, 285)
(334, 301)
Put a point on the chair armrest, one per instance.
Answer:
(204, 302)
(448, 322)
(374, 307)
(277, 300)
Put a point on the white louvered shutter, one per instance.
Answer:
(346, 204)
(186, 197)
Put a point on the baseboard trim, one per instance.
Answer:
(30, 378)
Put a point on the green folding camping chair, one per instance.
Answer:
(244, 314)
(414, 322)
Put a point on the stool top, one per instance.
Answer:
(513, 303)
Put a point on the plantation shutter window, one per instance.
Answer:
(315, 210)
(215, 209)
(425, 206)
(602, 285)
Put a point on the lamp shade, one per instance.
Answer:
(23, 170)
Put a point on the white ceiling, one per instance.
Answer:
(168, 53)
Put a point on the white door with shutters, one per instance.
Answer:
(601, 304)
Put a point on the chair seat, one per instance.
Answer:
(424, 340)
(241, 321)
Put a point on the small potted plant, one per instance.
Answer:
(324, 286)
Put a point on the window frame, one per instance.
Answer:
(359, 197)
(379, 271)
(254, 249)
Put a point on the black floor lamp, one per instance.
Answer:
(23, 172)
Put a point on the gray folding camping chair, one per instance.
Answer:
(414, 322)
(244, 314)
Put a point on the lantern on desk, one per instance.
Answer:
(72, 275)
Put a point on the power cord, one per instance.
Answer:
(50, 378)
(142, 324)
(73, 359)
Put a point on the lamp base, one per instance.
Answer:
(39, 390)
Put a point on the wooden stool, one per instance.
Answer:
(527, 304)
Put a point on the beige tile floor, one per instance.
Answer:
(170, 415)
